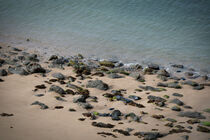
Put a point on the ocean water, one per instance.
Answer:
(159, 31)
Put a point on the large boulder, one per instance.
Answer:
(97, 84)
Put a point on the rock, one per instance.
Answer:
(69, 91)
(6, 115)
(39, 95)
(85, 105)
(107, 64)
(42, 105)
(100, 74)
(129, 129)
(137, 76)
(174, 85)
(32, 57)
(193, 121)
(203, 129)
(134, 97)
(81, 98)
(176, 108)
(162, 84)
(17, 70)
(72, 110)
(60, 99)
(177, 66)
(107, 134)
(72, 86)
(179, 130)
(163, 72)
(158, 116)
(177, 101)
(177, 95)
(59, 76)
(199, 87)
(116, 115)
(114, 76)
(187, 107)
(191, 75)
(149, 135)
(57, 89)
(125, 133)
(58, 107)
(102, 125)
(71, 79)
(42, 86)
(133, 117)
(153, 66)
(16, 49)
(155, 99)
(3, 72)
(1, 80)
(35, 68)
(169, 124)
(97, 84)
(81, 119)
(171, 120)
(191, 83)
(53, 57)
(191, 114)
(152, 88)
(163, 78)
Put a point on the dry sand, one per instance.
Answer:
(31, 123)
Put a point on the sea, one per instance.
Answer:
(133, 31)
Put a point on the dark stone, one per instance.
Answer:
(193, 121)
(16, 49)
(137, 76)
(60, 99)
(114, 76)
(169, 124)
(177, 95)
(191, 83)
(153, 66)
(3, 72)
(59, 76)
(39, 95)
(71, 79)
(85, 105)
(125, 133)
(32, 57)
(199, 87)
(81, 98)
(81, 119)
(185, 137)
(6, 115)
(163, 72)
(162, 84)
(17, 70)
(97, 84)
(102, 125)
(174, 85)
(53, 57)
(35, 68)
(42, 86)
(107, 63)
(177, 101)
(152, 88)
(1, 80)
(69, 91)
(72, 86)
(116, 115)
(155, 99)
(171, 120)
(158, 116)
(100, 74)
(107, 134)
(149, 135)
(203, 129)
(59, 107)
(177, 66)
(179, 130)
(134, 97)
(176, 108)
(72, 110)
(133, 117)
(191, 114)
(187, 107)
(42, 105)
(57, 89)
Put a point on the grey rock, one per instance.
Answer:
(185, 137)
(85, 105)
(102, 125)
(149, 135)
(133, 117)
(176, 108)
(177, 101)
(153, 66)
(177, 95)
(53, 57)
(35, 68)
(57, 89)
(174, 85)
(162, 84)
(114, 76)
(203, 129)
(177, 66)
(116, 115)
(199, 87)
(97, 84)
(59, 76)
(163, 72)
(39, 95)
(42, 105)
(81, 98)
(32, 57)
(17, 70)
(134, 97)
(156, 98)
(3, 72)
(191, 114)
(60, 99)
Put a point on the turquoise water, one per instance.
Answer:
(161, 31)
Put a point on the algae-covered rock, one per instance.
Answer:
(107, 64)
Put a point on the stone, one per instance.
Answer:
(203, 129)
(177, 101)
(53, 57)
(107, 134)
(57, 89)
(32, 57)
(39, 95)
(72, 110)
(207, 110)
(71, 79)
(100, 74)
(134, 97)
(155, 99)
(153, 66)
(193, 121)
(125, 133)
(177, 95)
(97, 84)
(171, 120)
(199, 87)
(163, 72)
(60, 99)
(114, 76)
(177, 66)
(137, 76)
(17, 70)
(191, 83)
(6, 115)
(174, 85)
(162, 84)
(107, 64)
(191, 114)
(149, 135)
(16, 49)
(42, 105)
(158, 116)
(59, 76)
(35, 68)
(3, 72)
(116, 115)
(69, 91)
(102, 125)
(152, 88)
(58, 107)
(42, 86)
(85, 105)
(176, 108)
(133, 117)
(185, 137)
(80, 98)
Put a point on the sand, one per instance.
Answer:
(31, 123)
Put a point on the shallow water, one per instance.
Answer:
(163, 31)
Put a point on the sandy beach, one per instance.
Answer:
(126, 103)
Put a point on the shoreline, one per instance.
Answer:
(77, 98)
(47, 51)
